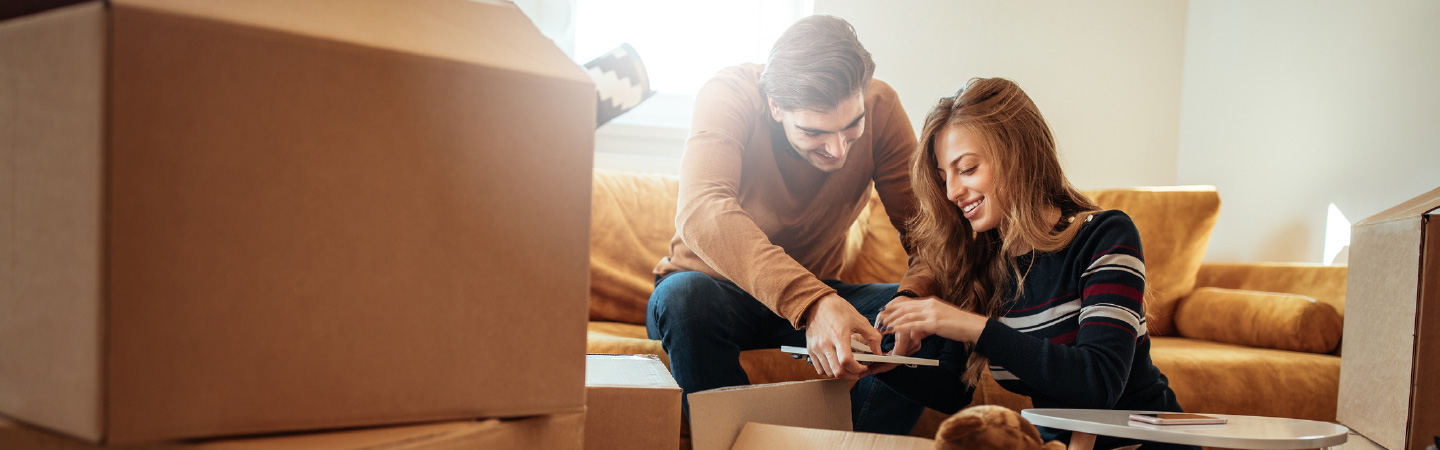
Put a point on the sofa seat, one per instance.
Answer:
(1277, 383)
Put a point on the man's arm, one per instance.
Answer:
(709, 218)
(711, 223)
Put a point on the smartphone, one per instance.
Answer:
(1177, 419)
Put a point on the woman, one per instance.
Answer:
(1035, 283)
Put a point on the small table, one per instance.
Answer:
(1249, 432)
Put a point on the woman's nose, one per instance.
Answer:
(955, 191)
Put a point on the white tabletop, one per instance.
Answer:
(1249, 432)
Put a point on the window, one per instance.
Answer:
(683, 44)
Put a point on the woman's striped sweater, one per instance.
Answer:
(1076, 337)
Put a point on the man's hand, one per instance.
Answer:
(906, 343)
(830, 323)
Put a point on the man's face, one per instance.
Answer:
(823, 138)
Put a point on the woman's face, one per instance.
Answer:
(968, 175)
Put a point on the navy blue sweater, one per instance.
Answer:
(1076, 338)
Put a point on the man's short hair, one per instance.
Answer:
(816, 64)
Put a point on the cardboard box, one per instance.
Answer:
(718, 415)
(759, 436)
(554, 431)
(633, 403)
(1390, 368)
(237, 217)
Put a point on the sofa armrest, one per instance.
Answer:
(1320, 282)
(1259, 319)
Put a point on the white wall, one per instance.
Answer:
(1290, 105)
(1106, 74)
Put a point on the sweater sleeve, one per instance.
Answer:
(1091, 372)
(709, 218)
(894, 146)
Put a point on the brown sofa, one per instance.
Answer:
(1254, 339)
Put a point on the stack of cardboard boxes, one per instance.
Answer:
(229, 218)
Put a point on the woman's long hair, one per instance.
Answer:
(973, 269)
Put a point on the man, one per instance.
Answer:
(778, 165)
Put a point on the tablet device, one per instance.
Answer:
(1177, 419)
(865, 358)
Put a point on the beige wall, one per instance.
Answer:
(1284, 105)
(1290, 105)
(1106, 74)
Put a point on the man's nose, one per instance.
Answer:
(836, 146)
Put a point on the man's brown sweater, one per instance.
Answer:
(753, 212)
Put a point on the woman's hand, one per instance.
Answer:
(911, 320)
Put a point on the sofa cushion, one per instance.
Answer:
(1259, 319)
(1321, 282)
(880, 257)
(1213, 377)
(632, 219)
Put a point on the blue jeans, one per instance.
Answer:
(704, 324)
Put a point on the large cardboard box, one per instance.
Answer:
(633, 403)
(718, 415)
(1390, 367)
(759, 436)
(234, 217)
(559, 431)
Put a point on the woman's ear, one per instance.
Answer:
(774, 109)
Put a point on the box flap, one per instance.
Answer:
(52, 137)
(629, 371)
(718, 415)
(759, 436)
(473, 32)
(1427, 203)
(1425, 378)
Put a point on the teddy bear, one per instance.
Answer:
(987, 427)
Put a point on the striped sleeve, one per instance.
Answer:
(1090, 372)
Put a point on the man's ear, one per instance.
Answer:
(774, 109)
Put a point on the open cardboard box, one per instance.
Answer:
(555, 431)
(1390, 366)
(632, 403)
(796, 415)
(759, 436)
(236, 217)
